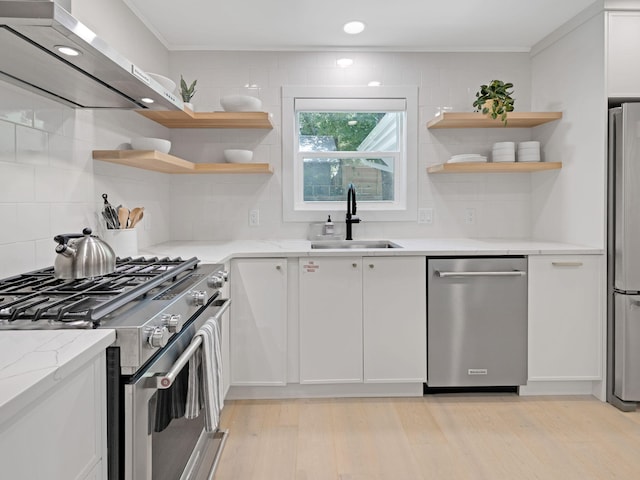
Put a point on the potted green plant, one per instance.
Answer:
(187, 92)
(495, 100)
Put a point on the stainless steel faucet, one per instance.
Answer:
(351, 210)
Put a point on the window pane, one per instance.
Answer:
(349, 131)
(327, 179)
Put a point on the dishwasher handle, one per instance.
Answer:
(512, 273)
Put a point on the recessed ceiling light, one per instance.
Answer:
(344, 62)
(147, 100)
(70, 52)
(374, 83)
(354, 27)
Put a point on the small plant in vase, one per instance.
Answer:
(187, 92)
(495, 100)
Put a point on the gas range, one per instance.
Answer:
(146, 300)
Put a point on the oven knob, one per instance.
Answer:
(199, 297)
(172, 322)
(159, 337)
(216, 281)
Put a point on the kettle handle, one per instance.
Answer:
(63, 238)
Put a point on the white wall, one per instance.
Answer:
(502, 202)
(569, 75)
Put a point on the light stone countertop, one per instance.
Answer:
(220, 252)
(32, 362)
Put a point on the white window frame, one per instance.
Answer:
(403, 207)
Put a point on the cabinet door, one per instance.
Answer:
(62, 434)
(566, 317)
(330, 320)
(623, 50)
(395, 319)
(258, 321)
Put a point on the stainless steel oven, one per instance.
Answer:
(160, 443)
(156, 306)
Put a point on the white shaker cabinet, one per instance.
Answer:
(623, 51)
(394, 303)
(330, 320)
(566, 295)
(258, 321)
(62, 435)
(363, 319)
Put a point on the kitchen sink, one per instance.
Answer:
(351, 244)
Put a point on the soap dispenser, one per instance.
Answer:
(328, 226)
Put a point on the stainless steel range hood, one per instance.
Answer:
(99, 77)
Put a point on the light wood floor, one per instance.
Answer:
(435, 437)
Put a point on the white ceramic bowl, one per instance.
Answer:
(164, 81)
(526, 145)
(240, 103)
(148, 143)
(234, 155)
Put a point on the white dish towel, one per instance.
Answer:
(205, 377)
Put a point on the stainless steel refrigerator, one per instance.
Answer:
(624, 256)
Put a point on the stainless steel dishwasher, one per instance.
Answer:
(476, 322)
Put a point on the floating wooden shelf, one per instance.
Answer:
(165, 163)
(189, 119)
(478, 120)
(491, 167)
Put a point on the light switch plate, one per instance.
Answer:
(425, 215)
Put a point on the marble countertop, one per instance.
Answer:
(32, 362)
(219, 252)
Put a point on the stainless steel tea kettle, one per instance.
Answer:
(82, 256)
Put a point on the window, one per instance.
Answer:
(334, 136)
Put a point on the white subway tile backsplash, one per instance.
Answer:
(45, 254)
(34, 221)
(49, 118)
(54, 185)
(18, 183)
(73, 217)
(18, 257)
(9, 222)
(7, 142)
(32, 146)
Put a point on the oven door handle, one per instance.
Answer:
(166, 380)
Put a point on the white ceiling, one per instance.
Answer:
(395, 25)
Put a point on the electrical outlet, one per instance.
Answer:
(425, 215)
(254, 218)
(470, 216)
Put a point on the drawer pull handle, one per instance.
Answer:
(566, 264)
(514, 273)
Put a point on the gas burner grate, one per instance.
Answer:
(77, 303)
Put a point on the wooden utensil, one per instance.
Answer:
(123, 217)
(135, 216)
